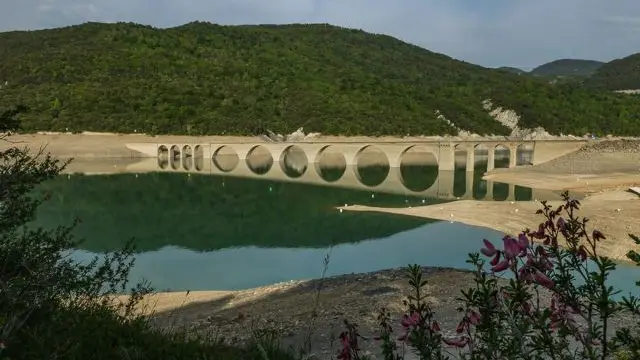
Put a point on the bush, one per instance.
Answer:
(54, 308)
(555, 305)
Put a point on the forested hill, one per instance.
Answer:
(568, 67)
(620, 74)
(202, 78)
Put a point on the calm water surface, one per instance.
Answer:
(204, 232)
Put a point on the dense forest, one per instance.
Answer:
(568, 67)
(619, 74)
(201, 78)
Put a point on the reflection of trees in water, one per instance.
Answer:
(211, 212)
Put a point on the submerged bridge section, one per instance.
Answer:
(203, 158)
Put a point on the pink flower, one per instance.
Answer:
(543, 279)
(523, 242)
(597, 235)
(474, 318)
(345, 352)
(582, 253)
(501, 266)
(408, 321)
(495, 259)
(511, 248)
(435, 327)
(489, 249)
(538, 234)
(561, 223)
(457, 342)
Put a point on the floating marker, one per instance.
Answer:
(373, 196)
(423, 200)
(136, 176)
(340, 210)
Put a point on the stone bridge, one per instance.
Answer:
(444, 152)
(202, 158)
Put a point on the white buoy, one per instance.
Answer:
(340, 210)
(423, 200)
(373, 196)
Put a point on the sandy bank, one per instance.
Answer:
(614, 213)
(595, 167)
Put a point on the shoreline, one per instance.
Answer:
(613, 212)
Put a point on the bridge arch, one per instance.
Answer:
(198, 157)
(502, 156)
(417, 168)
(174, 157)
(187, 157)
(163, 157)
(259, 159)
(371, 165)
(334, 164)
(524, 154)
(292, 164)
(225, 158)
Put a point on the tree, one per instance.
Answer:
(38, 281)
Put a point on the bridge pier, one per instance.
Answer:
(394, 156)
(513, 155)
(471, 160)
(468, 193)
(446, 157)
(491, 158)
(489, 195)
(512, 193)
(445, 184)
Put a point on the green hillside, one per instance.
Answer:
(201, 78)
(511, 69)
(568, 67)
(619, 74)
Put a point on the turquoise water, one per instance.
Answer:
(205, 232)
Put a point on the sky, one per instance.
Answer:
(520, 33)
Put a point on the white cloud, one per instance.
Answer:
(522, 33)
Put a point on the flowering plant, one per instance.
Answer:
(553, 301)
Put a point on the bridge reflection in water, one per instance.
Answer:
(366, 169)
